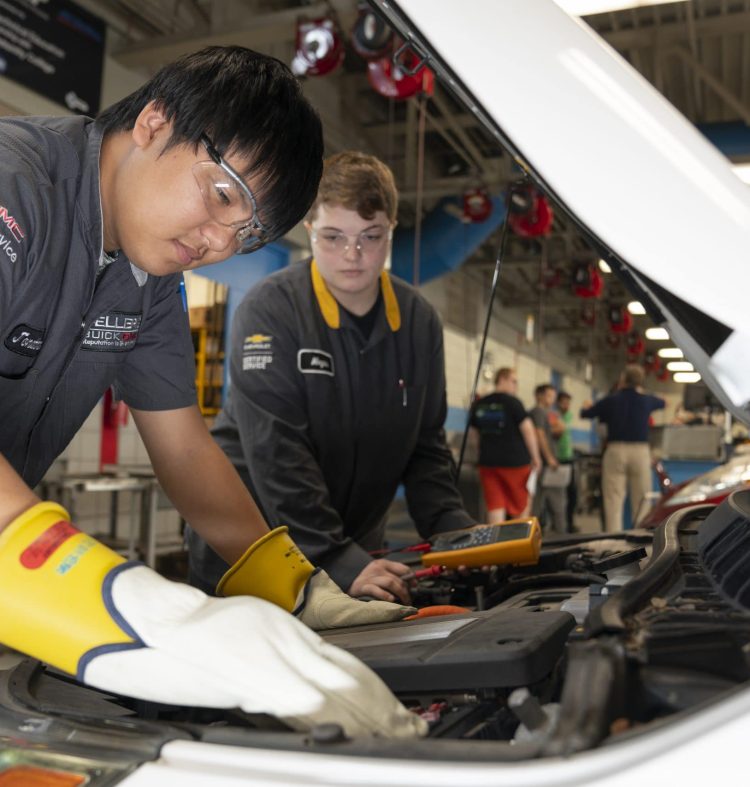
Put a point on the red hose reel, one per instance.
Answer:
(529, 213)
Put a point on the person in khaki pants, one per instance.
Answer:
(627, 459)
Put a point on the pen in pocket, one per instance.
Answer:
(402, 386)
(183, 295)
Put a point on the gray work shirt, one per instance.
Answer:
(66, 335)
(540, 419)
(323, 424)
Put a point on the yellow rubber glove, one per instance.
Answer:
(274, 568)
(47, 570)
(68, 600)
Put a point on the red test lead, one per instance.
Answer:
(422, 573)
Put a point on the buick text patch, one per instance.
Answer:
(315, 362)
(25, 340)
(113, 332)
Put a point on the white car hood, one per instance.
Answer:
(643, 183)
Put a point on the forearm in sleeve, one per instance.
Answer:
(16, 496)
(289, 486)
(528, 432)
(434, 501)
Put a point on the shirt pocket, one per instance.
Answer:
(16, 395)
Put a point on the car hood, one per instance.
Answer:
(657, 200)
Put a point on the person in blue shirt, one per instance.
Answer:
(627, 460)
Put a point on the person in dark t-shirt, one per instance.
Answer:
(508, 449)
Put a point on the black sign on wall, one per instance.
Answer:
(54, 48)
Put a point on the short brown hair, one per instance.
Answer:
(357, 181)
(503, 373)
(633, 376)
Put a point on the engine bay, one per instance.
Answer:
(606, 636)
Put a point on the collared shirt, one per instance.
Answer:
(66, 335)
(323, 424)
(140, 276)
(626, 414)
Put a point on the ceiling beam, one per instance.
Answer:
(460, 132)
(711, 81)
(671, 33)
(463, 119)
(436, 188)
(258, 32)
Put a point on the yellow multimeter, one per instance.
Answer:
(517, 541)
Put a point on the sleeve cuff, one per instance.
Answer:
(453, 520)
(344, 565)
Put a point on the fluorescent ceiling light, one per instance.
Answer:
(680, 366)
(670, 352)
(603, 267)
(586, 7)
(686, 377)
(529, 328)
(657, 334)
(636, 307)
(742, 171)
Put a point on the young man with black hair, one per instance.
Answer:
(346, 400)
(217, 155)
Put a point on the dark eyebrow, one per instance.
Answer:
(366, 229)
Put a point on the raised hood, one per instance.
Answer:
(651, 194)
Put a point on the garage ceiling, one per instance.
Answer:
(696, 53)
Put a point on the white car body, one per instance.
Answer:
(665, 203)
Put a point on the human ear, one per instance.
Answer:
(150, 125)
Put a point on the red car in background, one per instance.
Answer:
(710, 487)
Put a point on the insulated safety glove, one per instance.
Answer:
(68, 600)
(275, 569)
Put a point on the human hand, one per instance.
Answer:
(274, 568)
(382, 579)
(120, 627)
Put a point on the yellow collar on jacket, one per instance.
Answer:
(329, 306)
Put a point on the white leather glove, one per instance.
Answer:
(326, 606)
(70, 601)
(275, 569)
(241, 652)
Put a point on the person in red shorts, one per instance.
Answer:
(508, 449)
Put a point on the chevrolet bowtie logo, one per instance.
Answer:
(257, 338)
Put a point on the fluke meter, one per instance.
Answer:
(517, 541)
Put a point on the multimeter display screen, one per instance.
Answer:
(480, 536)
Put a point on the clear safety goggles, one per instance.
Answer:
(339, 243)
(228, 200)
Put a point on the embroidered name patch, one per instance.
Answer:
(113, 332)
(315, 362)
(25, 340)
